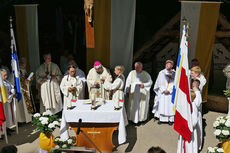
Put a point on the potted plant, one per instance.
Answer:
(46, 123)
(61, 144)
(222, 132)
(215, 150)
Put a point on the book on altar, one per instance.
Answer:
(100, 101)
(87, 101)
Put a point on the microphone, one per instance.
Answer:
(79, 126)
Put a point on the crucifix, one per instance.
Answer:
(93, 133)
(89, 23)
(98, 93)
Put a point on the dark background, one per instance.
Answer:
(57, 16)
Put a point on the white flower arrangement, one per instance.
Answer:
(61, 143)
(216, 123)
(217, 132)
(46, 114)
(46, 122)
(70, 141)
(225, 132)
(37, 115)
(215, 150)
(222, 126)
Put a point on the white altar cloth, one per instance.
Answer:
(103, 114)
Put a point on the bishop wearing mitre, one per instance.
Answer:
(48, 77)
(94, 78)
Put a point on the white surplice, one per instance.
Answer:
(138, 98)
(193, 145)
(93, 77)
(200, 123)
(67, 82)
(81, 76)
(9, 105)
(163, 107)
(50, 91)
(117, 87)
(202, 82)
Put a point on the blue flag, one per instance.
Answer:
(14, 64)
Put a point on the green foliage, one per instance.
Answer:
(61, 143)
(222, 126)
(215, 150)
(46, 122)
(227, 92)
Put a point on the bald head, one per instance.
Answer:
(47, 58)
(138, 67)
(4, 74)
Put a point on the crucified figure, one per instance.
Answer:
(88, 6)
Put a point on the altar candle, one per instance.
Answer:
(117, 104)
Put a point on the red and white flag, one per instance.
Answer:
(2, 115)
(3, 99)
(182, 99)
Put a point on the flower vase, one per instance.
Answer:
(46, 141)
(226, 145)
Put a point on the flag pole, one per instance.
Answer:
(14, 98)
(11, 26)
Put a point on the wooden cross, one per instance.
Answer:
(89, 26)
(94, 132)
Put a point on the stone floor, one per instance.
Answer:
(139, 137)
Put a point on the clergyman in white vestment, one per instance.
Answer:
(137, 89)
(71, 87)
(26, 107)
(163, 107)
(48, 77)
(81, 75)
(94, 77)
(117, 86)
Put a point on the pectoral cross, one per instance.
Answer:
(47, 70)
(98, 93)
(93, 133)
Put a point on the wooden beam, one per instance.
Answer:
(170, 33)
(224, 22)
(223, 34)
(89, 29)
(148, 44)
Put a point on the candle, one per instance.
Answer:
(117, 104)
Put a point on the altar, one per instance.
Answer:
(98, 124)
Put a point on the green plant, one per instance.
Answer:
(227, 92)
(222, 126)
(61, 143)
(46, 122)
(215, 150)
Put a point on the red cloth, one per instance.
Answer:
(2, 115)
